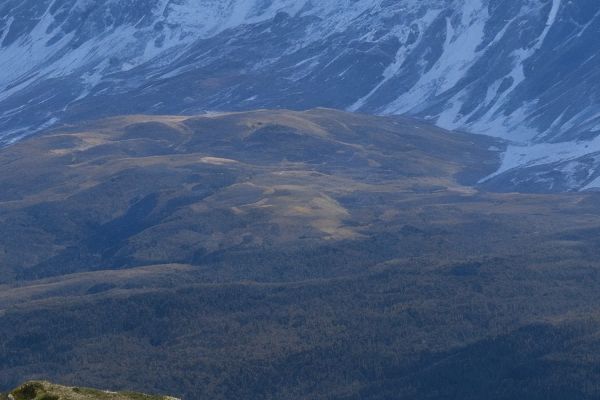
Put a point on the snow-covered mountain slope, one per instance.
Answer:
(524, 70)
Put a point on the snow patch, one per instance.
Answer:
(531, 155)
(550, 22)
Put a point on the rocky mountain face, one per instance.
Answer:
(526, 71)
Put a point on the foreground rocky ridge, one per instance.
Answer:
(41, 390)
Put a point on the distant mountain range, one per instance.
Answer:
(526, 71)
(523, 70)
